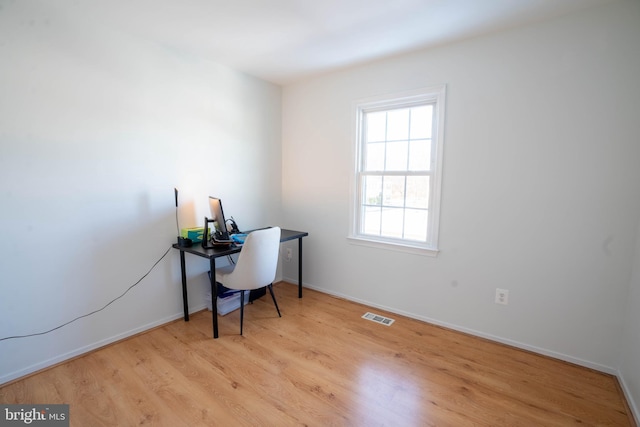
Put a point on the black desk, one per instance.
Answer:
(212, 254)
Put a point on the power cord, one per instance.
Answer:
(95, 311)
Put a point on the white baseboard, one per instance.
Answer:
(91, 347)
(627, 394)
(517, 344)
(560, 356)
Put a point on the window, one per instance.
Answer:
(398, 170)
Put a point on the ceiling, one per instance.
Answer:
(285, 40)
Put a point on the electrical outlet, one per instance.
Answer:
(289, 255)
(502, 296)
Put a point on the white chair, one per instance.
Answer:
(256, 266)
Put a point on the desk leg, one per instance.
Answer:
(214, 297)
(185, 301)
(300, 267)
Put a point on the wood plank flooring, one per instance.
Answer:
(321, 364)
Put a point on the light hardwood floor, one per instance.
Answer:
(320, 364)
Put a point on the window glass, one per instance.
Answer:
(375, 156)
(398, 125)
(376, 126)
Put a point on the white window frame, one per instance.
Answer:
(436, 96)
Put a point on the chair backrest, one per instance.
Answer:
(258, 261)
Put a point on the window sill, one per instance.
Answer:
(392, 246)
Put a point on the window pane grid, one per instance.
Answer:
(397, 179)
(396, 172)
(394, 222)
(396, 137)
(394, 206)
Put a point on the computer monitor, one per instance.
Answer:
(218, 216)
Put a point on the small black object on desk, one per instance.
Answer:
(184, 242)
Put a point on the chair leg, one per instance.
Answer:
(241, 310)
(270, 286)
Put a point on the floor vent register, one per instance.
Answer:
(378, 319)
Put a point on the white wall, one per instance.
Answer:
(540, 185)
(96, 129)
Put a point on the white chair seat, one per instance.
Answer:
(223, 272)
